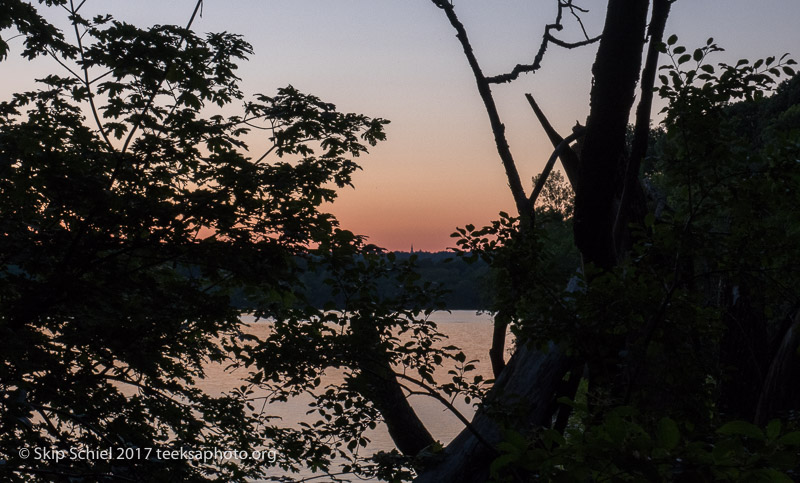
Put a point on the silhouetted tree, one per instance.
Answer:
(124, 236)
(640, 323)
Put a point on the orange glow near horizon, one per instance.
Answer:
(439, 168)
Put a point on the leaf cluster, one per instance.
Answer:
(125, 236)
(626, 446)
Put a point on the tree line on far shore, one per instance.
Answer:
(466, 283)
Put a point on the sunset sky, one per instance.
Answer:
(399, 59)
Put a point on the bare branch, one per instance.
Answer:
(572, 45)
(498, 129)
(569, 159)
(658, 22)
(64, 65)
(552, 161)
(547, 38)
(266, 153)
(572, 9)
(641, 132)
(100, 77)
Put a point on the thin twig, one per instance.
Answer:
(547, 38)
(572, 9)
(90, 95)
(434, 394)
(65, 66)
(149, 104)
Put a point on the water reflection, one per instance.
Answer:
(469, 331)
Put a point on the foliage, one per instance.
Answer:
(526, 266)
(701, 303)
(123, 238)
(130, 241)
(557, 195)
(364, 335)
(625, 446)
(702, 87)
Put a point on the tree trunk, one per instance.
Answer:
(602, 166)
(531, 379)
(603, 157)
(377, 382)
(526, 389)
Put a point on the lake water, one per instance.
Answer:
(464, 328)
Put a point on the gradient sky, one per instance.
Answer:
(399, 59)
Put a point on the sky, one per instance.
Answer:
(400, 60)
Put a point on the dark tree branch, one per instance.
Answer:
(524, 209)
(101, 76)
(641, 133)
(547, 38)
(616, 73)
(569, 158)
(64, 65)
(528, 385)
(572, 9)
(573, 45)
(431, 392)
(378, 382)
(658, 22)
(496, 357)
(562, 146)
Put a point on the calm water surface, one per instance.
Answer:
(469, 331)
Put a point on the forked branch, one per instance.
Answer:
(429, 391)
(547, 39)
(552, 161)
(569, 158)
(641, 132)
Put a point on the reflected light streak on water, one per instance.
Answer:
(469, 331)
